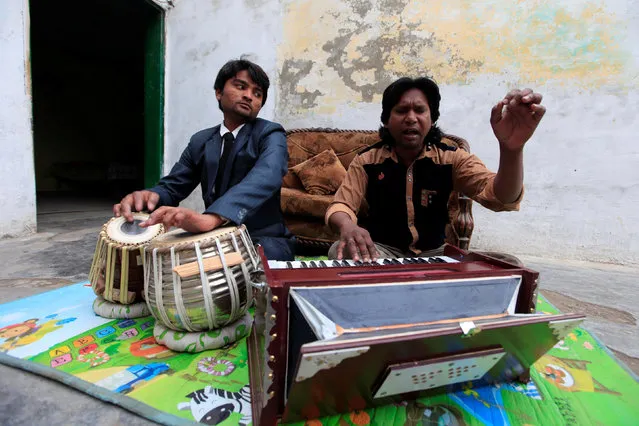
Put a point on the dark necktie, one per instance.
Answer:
(228, 144)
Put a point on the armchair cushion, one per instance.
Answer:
(298, 202)
(321, 174)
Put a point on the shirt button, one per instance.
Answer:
(409, 198)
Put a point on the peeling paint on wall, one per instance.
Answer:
(352, 49)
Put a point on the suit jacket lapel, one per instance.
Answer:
(212, 152)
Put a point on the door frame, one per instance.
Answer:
(154, 84)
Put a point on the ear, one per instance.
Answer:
(218, 94)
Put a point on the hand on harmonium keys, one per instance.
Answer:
(358, 244)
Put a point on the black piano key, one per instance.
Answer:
(422, 260)
(313, 264)
(336, 263)
(396, 262)
(438, 260)
(345, 263)
(322, 264)
(387, 262)
(359, 263)
(304, 265)
(289, 265)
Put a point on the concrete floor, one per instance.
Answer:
(61, 253)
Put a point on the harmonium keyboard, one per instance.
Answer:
(331, 337)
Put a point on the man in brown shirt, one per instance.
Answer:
(407, 177)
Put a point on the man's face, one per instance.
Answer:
(409, 120)
(241, 97)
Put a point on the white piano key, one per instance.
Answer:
(307, 264)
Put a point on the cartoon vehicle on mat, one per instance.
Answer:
(125, 381)
(149, 348)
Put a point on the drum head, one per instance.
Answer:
(121, 231)
(179, 237)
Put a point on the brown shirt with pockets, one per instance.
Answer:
(408, 206)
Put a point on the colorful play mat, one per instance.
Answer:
(57, 335)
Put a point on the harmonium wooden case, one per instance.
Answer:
(336, 336)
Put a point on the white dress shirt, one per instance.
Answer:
(224, 130)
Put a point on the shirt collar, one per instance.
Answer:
(431, 153)
(224, 130)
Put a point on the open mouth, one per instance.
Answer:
(410, 133)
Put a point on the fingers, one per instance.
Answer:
(352, 248)
(539, 111)
(340, 249)
(366, 247)
(169, 218)
(138, 200)
(363, 248)
(526, 96)
(532, 98)
(153, 199)
(496, 113)
(360, 246)
(373, 251)
(125, 207)
(156, 217)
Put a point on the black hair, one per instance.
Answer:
(230, 70)
(394, 93)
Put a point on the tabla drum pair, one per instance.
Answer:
(198, 287)
(117, 271)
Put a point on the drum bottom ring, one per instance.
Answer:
(198, 341)
(106, 309)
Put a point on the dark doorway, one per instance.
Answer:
(97, 75)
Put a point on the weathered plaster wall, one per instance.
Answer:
(582, 181)
(17, 190)
(201, 37)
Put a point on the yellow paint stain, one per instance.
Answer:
(456, 41)
(364, 77)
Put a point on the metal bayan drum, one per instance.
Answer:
(196, 282)
(117, 272)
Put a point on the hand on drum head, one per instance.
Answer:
(136, 201)
(180, 217)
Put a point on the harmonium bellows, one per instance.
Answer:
(371, 334)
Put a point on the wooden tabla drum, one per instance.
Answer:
(117, 272)
(196, 282)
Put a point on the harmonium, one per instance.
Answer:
(331, 337)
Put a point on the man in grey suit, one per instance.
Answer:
(239, 164)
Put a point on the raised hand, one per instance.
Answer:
(515, 118)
